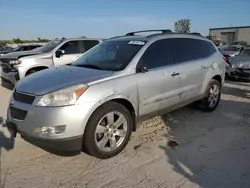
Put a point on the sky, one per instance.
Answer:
(29, 19)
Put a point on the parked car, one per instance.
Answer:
(96, 101)
(232, 50)
(222, 45)
(240, 65)
(242, 43)
(19, 48)
(58, 52)
(5, 48)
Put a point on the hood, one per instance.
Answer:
(242, 62)
(17, 55)
(54, 79)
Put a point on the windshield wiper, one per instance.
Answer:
(88, 66)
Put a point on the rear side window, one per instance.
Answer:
(32, 47)
(187, 49)
(24, 48)
(88, 44)
(158, 54)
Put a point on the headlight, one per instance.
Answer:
(15, 62)
(64, 97)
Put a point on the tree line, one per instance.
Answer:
(180, 26)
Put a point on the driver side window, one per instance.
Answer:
(158, 54)
(71, 47)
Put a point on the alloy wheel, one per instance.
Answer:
(111, 131)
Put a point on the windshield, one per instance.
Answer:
(231, 48)
(49, 46)
(246, 52)
(16, 48)
(109, 55)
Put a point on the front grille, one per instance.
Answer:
(18, 114)
(5, 60)
(24, 98)
(6, 67)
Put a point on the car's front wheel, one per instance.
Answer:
(108, 130)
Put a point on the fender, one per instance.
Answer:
(106, 99)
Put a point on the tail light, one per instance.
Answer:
(225, 59)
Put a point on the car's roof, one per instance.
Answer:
(80, 38)
(30, 45)
(236, 45)
(146, 38)
(129, 38)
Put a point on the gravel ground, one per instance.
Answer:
(213, 151)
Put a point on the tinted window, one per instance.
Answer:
(71, 47)
(186, 49)
(24, 48)
(88, 44)
(33, 47)
(109, 55)
(19, 48)
(207, 48)
(158, 54)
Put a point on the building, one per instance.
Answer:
(231, 34)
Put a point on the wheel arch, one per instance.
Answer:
(218, 78)
(36, 68)
(121, 100)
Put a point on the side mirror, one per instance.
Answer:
(141, 67)
(59, 53)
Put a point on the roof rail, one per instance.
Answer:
(115, 37)
(195, 33)
(144, 31)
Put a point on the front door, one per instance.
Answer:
(71, 52)
(158, 88)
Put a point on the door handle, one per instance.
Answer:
(203, 67)
(175, 74)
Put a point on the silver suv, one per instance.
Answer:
(17, 65)
(96, 101)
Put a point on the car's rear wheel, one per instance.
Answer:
(212, 98)
(108, 130)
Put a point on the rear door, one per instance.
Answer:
(189, 55)
(72, 51)
(158, 88)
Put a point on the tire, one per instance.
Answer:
(205, 103)
(99, 129)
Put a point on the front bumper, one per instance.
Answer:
(74, 118)
(67, 144)
(10, 76)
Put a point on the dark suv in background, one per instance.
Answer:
(20, 48)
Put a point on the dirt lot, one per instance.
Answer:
(213, 152)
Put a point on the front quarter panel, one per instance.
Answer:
(30, 62)
(120, 88)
